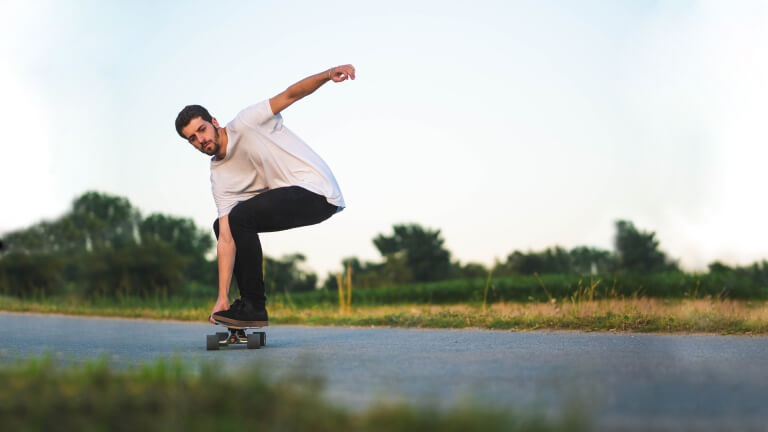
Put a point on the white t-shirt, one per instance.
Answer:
(262, 154)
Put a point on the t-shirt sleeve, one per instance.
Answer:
(259, 116)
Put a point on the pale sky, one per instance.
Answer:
(507, 125)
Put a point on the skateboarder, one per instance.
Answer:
(264, 178)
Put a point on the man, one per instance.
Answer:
(264, 178)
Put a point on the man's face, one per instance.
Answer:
(203, 135)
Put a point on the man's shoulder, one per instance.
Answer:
(254, 116)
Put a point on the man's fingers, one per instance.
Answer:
(343, 72)
(349, 71)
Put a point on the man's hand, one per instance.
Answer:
(308, 85)
(221, 304)
(341, 73)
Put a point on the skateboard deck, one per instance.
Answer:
(236, 336)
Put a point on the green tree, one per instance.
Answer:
(148, 269)
(95, 221)
(718, 267)
(43, 237)
(551, 260)
(187, 239)
(420, 250)
(180, 233)
(287, 274)
(25, 275)
(106, 221)
(586, 260)
(638, 251)
(757, 272)
(103, 247)
(469, 270)
(397, 270)
(364, 274)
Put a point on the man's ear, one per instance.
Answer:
(215, 122)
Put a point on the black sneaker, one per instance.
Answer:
(243, 313)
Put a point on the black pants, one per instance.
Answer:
(273, 210)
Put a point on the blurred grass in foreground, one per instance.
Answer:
(171, 396)
(706, 315)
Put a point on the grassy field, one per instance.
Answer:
(707, 315)
(629, 315)
(38, 395)
(171, 309)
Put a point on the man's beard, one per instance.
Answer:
(214, 149)
(214, 144)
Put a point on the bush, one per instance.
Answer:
(541, 288)
(149, 269)
(23, 275)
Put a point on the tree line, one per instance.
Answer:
(412, 253)
(104, 247)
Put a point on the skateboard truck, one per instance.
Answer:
(236, 336)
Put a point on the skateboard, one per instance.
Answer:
(236, 335)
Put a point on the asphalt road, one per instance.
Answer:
(626, 381)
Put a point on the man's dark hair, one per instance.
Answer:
(187, 114)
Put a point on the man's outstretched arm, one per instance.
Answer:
(308, 85)
(225, 250)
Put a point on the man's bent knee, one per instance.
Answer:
(237, 219)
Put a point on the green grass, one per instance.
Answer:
(577, 313)
(38, 395)
(553, 302)
(173, 309)
(689, 316)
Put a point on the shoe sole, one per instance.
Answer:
(225, 320)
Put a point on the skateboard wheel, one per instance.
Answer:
(263, 336)
(254, 341)
(212, 342)
(222, 335)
